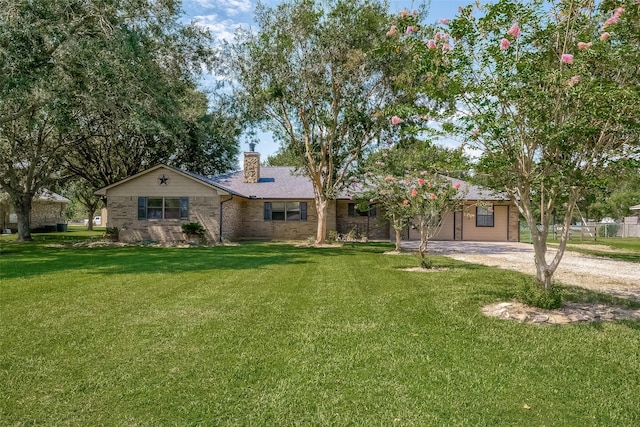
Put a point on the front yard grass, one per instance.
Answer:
(271, 334)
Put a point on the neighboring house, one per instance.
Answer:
(48, 213)
(267, 203)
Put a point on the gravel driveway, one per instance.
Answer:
(600, 274)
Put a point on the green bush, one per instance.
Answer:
(193, 229)
(531, 293)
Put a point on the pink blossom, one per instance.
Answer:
(438, 35)
(388, 178)
(620, 10)
(380, 163)
(604, 36)
(421, 181)
(370, 200)
(475, 132)
(395, 120)
(504, 44)
(432, 196)
(405, 202)
(573, 81)
(445, 21)
(514, 31)
(350, 197)
(414, 192)
(424, 173)
(392, 31)
(583, 45)
(457, 186)
(446, 46)
(409, 29)
(431, 44)
(404, 13)
(446, 36)
(385, 154)
(567, 58)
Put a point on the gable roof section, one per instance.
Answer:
(200, 178)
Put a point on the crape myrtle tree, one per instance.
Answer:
(409, 179)
(77, 74)
(321, 75)
(549, 92)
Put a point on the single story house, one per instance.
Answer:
(48, 213)
(270, 203)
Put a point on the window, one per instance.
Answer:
(285, 211)
(484, 216)
(163, 208)
(353, 210)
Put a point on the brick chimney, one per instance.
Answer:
(251, 165)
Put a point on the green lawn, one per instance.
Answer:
(269, 334)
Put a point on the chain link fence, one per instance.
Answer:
(588, 231)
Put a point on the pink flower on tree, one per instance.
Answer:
(584, 45)
(414, 192)
(395, 120)
(567, 58)
(420, 181)
(514, 31)
(614, 18)
(431, 44)
(432, 196)
(392, 31)
(457, 186)
(438, 35)
(405, 202)
(409, 29)
(445, 21)
(504, 44)
(574, 81)
(604, 36)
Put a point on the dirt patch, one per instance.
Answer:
(424, 270)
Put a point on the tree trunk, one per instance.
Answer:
(90, 213)
(321, 208)
(398, 238)
(22, 205)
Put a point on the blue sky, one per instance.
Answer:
(223, 17)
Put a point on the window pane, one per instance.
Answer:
(171, 203)
(293, 211)
(278, 211)
(184, 208)
(484, 217)
(154, 202)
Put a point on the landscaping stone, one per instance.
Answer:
(569, 313)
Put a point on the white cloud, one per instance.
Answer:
(228, 7)
(221, 29)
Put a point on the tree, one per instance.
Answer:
(74, 72)
(318, 72)
(548, 91)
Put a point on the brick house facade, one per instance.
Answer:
(265, 203)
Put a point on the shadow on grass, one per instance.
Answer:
(33, 259)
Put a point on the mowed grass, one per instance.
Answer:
(272, 334)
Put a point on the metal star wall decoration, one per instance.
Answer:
(163, 180)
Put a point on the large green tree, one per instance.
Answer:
(319, 74)
(549, 92)
(87, 83)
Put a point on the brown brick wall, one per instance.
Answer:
(123, 213)
(255, 227)
(47, 213)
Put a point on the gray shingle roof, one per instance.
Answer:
(276, 182)
(284, 183)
